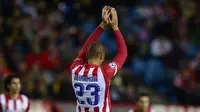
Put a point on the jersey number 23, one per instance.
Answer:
(93, 99)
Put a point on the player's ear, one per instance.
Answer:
(101, 56)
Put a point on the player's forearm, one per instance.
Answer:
(121, 46)
(93, 37)
(102, 25)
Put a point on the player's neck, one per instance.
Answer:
(13, 95)
(91, 61)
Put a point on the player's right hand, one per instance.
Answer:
(106, 14)
(114, 20)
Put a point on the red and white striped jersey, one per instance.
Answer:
(21, 104)
(91, 85)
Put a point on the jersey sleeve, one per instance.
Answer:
(28, 108)
(110, 70)
(113, 67)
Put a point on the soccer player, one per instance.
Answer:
(143, 104)
(12, 100)
(91, 79)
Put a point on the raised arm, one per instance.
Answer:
(81, 58)
(96, 33)
(93, 37)
(112, 68)
(121, 46)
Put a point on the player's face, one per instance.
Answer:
(144, 102)
(15, 85)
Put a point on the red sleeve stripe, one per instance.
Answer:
(28, 108)
(78, 70)
(86, 72)
(95, 72)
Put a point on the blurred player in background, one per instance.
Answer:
(143, 104)
(12, 100)
(91, 79)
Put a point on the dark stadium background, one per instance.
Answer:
(40, 38)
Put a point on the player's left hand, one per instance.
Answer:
(106, 14)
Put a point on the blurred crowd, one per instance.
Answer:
(40, 38)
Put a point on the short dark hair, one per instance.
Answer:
(142, 95)
(8, 80)
(95, 49)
